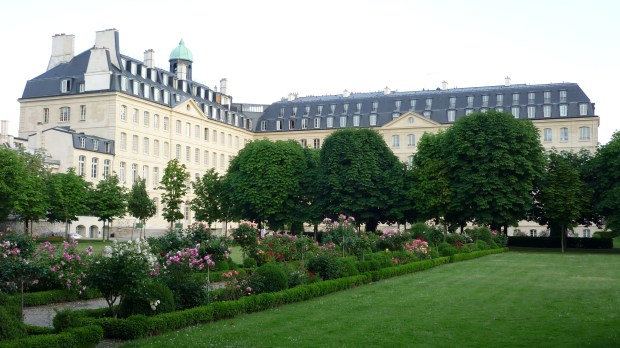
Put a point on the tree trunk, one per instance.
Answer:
(316, 231)
(563, 237)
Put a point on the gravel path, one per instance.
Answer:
(43, 315)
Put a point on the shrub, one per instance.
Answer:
(11, 326)
(168, 242)
(434, 235)
(493, 245)
(445, 249)
(153, 298)
(347, 267)
(480, 233)
(419, 230)
(65, 319)
(188, 292)
(454, 238)
(269, 277)
(324, 264)
(249, 263)
(482, 245)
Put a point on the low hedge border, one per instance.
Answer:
(41, 298)
(88, 336)
(476, 254)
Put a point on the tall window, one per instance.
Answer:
(82, 112)
(316, 143)
(470, 101)
(515, 111)
(317, 122)
(451, 115)
(319, 110)
(375, 106)
(197, 155)
(83, 142)
(134, 116)
(145, 174)
(134, 172)
(188, 129)
(106, 168)
(343, 121)
(395, 141)
(156, 121)
(145, 145)
(214, 136)
(122, 172)
(222, 139)
(584, 133)
(46, 115)
(188, 153)
(123, 141)
(546, 110)
(65, 114)
(358, 108)
(134, 143)
(373, 120)
(499, 100)
(397, 104)
(562, 96)
(531, 111)
(429, 103)
(156, 148)
(95, 144)
(65, 86)
(177, 152)
(547, 134)
(563, 134)
(410, 140)
(332, 109)
(583, 109)
(147, 119)
(531, 98)
(124, 83)
(563, 110)
(356, 121)
(155, 177)
(93, 168)
(485, 100)
(330, 122)
(547, 97)
(282, 112)
(166, 149)
(412, 104)
(304, 123)
(178, 127)
(303, 143)
(197, 131)
(294, 111)
(263, 125)
(345, 108)
(81, 164)
(452, 103)
(515, 98)
(166, 121)
(278, 124)
(306, 110)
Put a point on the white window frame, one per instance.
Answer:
(395, 140)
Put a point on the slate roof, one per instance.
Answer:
(104, 145)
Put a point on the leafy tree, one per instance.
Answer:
(562, 195)
(174, 183)
(108, 201)
(139, 204)
(207, 204)
(12, 173)
(605, 180)
(494, 161)
(359, 176)
(69, 193)
(264, 180)
(309, 210)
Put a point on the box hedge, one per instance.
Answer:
(88, 336)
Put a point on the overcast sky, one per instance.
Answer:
(267, 49)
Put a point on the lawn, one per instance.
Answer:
(513, 299)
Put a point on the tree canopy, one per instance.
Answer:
(605, 180)
(69, 193)
(139, 204)
(207, 205)
(108, 201)
(174, 183)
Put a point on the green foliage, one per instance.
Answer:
(325, 264)
(174, 184)
(265, 181)
(480, 233)
(207, 205)
(446, 249)
(65, 319)
(246, 237)
(11, 326)
(419, 230)
(31, 201)
(139, 204)
(269, 277)
(153, 298)
(108, 200)
(70, 193)
(170, 241)
(360, 176)
(88, 336)
(188, 291)
(605, 180)
(482, 245)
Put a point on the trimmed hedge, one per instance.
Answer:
(88, 336)
(41, 298)
(476, 254)
(554, 242)
(408, 268)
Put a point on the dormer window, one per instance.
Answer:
(281, 112)
(319, 110)
(306, 110)
(345, 108)
(332, 109)
(83, 142)
(65, 85)
(96, 145)
(294, 111)
(136, 87)
(134, 68)
(375, 106)
(124, 83)
(358, 108)
(397, 105)
(82, 87)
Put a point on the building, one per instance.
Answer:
(103, 112)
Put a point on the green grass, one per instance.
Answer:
(617, 242)
(506, 300)
(236, 254)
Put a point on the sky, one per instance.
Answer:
(268, 49)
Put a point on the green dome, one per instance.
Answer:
(181, 53)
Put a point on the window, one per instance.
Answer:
(330, 122)
(82, 112)
(135, 116)
(583, 109)
(410, 120)
(229, 137)
(95, 145)
(93, 169)
(319, 110)
(278, 124)
(584, 133)
(188, 129)
(395, 141)
(166, 121)
(332, 109)
(166, 149)
(429, 104)
(291, 124)
(177, 153)
(316, 143)
(156, 148)
(515, 111)
(373, 120)
(358, 108)
(452, 103)
(547, 134)
(375, 106)
(155, 177)
(563, 110)
(356, 121)
(470, 101)
(236, 142)
(317, 122)
(106, 168)
(222, 165)
(134, 143)
(206, 158)
(485, 100)
(345, 108)
(304, 123)
(197, 155)
(306, 110)
(222, 139)
(397, 105)
(147, 119)
(145, 145)
(343, 121)
(263, 125)
(135, 87)
(134, 172)
(303, 143)
(121, 172)
(147, 91)
(166, 97)
(81, 164)
(188, 153)
(547, 97)
(531, 111)
(427, 113)
(108, 147)
(395, 114)
(282, 112)
(123, 141)
(451, 115)
(546, 110)
(178, 126)
(206, 134)
(46, 115)
(531, 98)
(214, 159)
(294, 111)
(499, 100)
(586, 233)
(469, 111)
(515, 98)
(563, 134)
(156, 94)
(197, 131)
(156, 121)
(533, 233)
(65, 114)
(410, 140)
(124, 83)
(562, 96)
(83, 142)
(412, 104)
(410, 161)
(65, 85)
(214, 136)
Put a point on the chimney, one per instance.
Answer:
(292, 96)
(507, 81)
(444, 85)
(4, 131)
(62, 50)
(108, 39)
(39, 143)
(149, 58)
(223, 85)
(386, 90)
(346, 93)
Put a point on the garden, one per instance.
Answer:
(188, 277)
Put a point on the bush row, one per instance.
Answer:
(554, 242)
(476, 254)
(407, 268)
(51, 296)
(87, 336)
